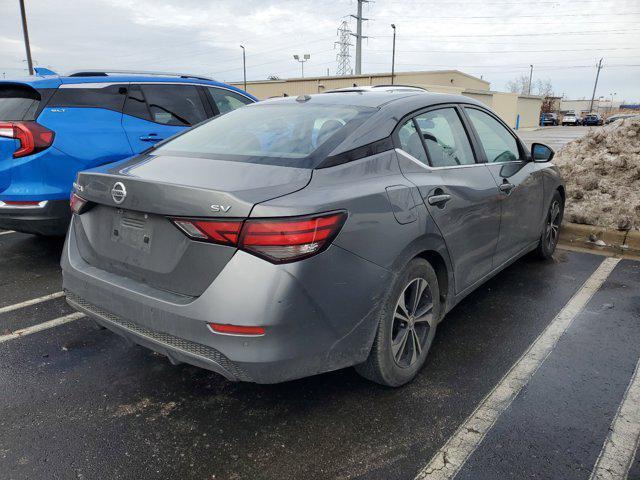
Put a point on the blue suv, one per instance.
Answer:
(53, 126)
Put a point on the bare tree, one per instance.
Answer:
(544, 88)
(519, 84)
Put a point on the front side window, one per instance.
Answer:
(283, 134)
(227, 100)
(498, 143)
(410, 142)
(178, 105)
(445, 138)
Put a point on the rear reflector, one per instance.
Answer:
(236, 329)
(278, 240)
(29, 203)
(32, 136)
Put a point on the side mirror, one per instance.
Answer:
(541, 153)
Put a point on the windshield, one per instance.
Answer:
(18, 102)
(281, 134)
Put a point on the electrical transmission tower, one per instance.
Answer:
(344, 57)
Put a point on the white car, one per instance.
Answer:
(570, 119)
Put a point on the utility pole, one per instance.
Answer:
(595, 85)
(530, 78)
(305, 57)
(26, 37)
(244, 68)
(393, 54)
(359, 36)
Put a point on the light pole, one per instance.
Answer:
(611, 106)
(530, 78)
(393, 54)
(244, 68)
(304, 58)
(25, 32)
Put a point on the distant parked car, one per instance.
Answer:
(571, 119)
(593, 119)
(549, 119)
(613, 118)
(53, 126)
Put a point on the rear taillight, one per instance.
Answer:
(32, 136)
(278, 240)
(77, 203)
(285, 240)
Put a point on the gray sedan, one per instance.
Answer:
(303, 235)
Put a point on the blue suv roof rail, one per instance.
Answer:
(106, 72)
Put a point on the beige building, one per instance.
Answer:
(514, 109)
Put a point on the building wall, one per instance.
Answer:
(507, 105)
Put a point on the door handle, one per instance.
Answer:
(439, 199)
(152, 137)
(506, 188)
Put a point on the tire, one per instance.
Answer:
(551, 230)
(405, 333)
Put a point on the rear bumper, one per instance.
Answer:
(50, 219)
(320, 314)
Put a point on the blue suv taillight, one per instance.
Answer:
(32, 136)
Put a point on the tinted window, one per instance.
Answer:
(288, 132)
(18, 102)
(498, 143)
(174, 104)
(445, 138)
(135, 104)
(110, 97)
(227, 100)
(410, 142)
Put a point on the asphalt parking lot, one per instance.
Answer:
(554, 136)
(78, 402)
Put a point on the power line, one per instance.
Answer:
(546, 34)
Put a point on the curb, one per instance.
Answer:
(615, 240)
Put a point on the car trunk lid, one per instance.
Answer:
(128, 231)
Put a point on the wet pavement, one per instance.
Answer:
(78, 402)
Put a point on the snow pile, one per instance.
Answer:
(602, 172)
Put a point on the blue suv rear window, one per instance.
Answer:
(18, 102)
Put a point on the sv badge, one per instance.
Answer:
(220, 208)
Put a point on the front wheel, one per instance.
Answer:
(406, 327)
(551, 231)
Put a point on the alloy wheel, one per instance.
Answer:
(553, 225)
(413, 326)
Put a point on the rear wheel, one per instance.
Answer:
(551, 231)
(406, 327)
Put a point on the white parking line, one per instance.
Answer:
(448, 461)
(620, 446)
(42, 326)
(7, 232)
(33, 301)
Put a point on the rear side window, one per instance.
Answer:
(410, 141)
(18, 102)
(110, 97)
(445, 138)
(226, 100)
(178, 105)
(499, 145)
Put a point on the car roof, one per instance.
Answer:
(385, 88)
(409, 101)
(47, 79)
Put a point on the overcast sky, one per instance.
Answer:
(497, 39)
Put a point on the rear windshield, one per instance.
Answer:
(292, 134)
(18, 102)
